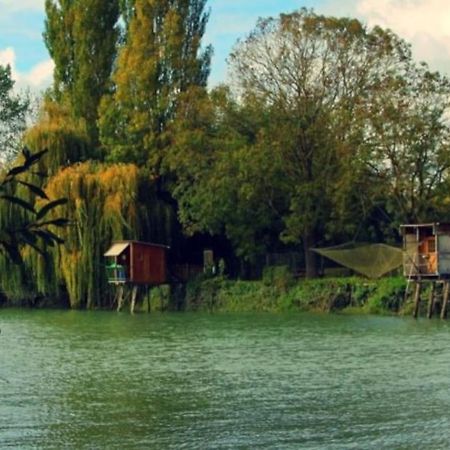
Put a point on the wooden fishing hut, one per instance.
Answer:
(134, 264)
(426, 259)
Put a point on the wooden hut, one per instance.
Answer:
(426, 250)
(426, 258)
(134, 264)
(137, 262)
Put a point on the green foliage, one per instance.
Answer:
(223, 182)
(387, 297)
(81, 38)
(13, 112)
(160, 59)
(65, 138)
(160, 298)
(24, 224)
(347, 294)
(25, 230)
(219, 294)
(280, 277)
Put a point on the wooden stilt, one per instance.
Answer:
(133, 298)
(147, 294)
(120, 297)
(431, 301)
(445, 299)
(417, 300)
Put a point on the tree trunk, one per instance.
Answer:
(309, 241)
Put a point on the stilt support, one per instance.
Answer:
(445, 299)
(417, 299)
(120, 297)
(133, 298)
(431, 301)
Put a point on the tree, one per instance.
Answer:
(160, 59)
(65, 137)
(81, 37)
(408, 142)
(313, 75)
(223, 177)
(23, 224)
(13, 113)
(102, 207)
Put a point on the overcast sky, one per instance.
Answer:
(424, 23)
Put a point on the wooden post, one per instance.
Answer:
(445, 299)
(119, 297)
(147, 294)
(431, 301)
(417, 300)
(133, 298)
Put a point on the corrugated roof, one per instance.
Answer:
(117, 249)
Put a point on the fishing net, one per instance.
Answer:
(371, 260)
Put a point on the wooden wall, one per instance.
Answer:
(148, 264)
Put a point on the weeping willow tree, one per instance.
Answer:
(24, 228)
(65, 138)
(101, 207)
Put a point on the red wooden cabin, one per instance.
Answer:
(137, 262)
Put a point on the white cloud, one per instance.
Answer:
(36, 79)
(423, 23)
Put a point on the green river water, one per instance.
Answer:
(99, 380)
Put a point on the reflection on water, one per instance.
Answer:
(103, 380)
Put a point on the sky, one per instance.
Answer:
(423, 23)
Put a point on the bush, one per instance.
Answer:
(387, 297)
(280, 277)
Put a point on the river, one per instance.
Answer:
(100, 380)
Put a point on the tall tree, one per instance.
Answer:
(13, 113)
(81, 37)
(312, 75)
(161, 58)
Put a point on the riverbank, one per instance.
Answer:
(278, 291)
(282, 293)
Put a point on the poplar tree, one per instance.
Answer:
(81, 37)
(161, 58)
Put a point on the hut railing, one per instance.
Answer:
(116, 274)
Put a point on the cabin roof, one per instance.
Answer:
(437, 228)
(420, 225)
(149, 244)
(120, 246)
(117, 248)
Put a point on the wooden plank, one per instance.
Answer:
(133, 298)
(445, 299)
(431, 301)
(417, 299)
(120, 297)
